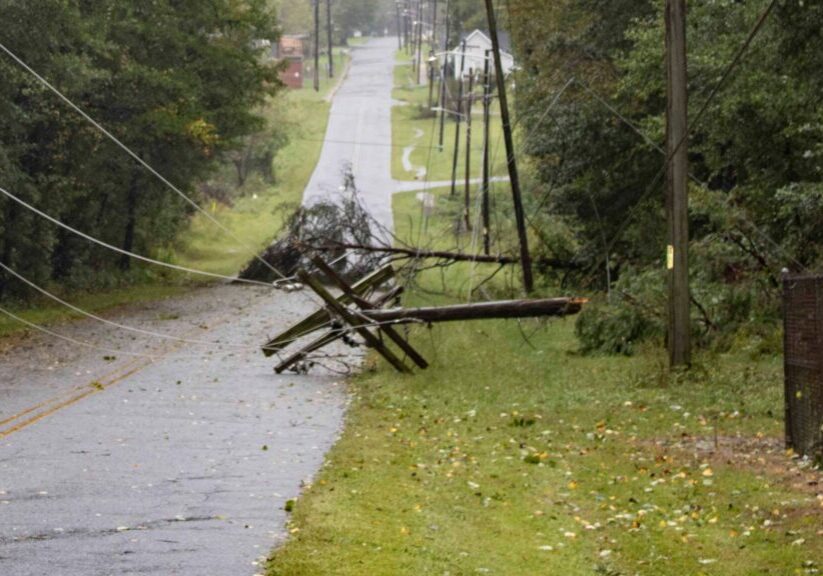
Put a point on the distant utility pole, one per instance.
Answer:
(459, 115)
(434, 27)
(317, 45)
(399, 26)
(419, 41)
(677, 191)
(487, 102)
(519, 215)
(443, 78)
(468, 191)
(329, 30)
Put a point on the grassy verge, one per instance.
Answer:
(254, 219)
(519, 456)
(414, 124)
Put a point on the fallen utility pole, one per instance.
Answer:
(506, 309)
(677, 191)
(352, 311)
(421, 254)
(519, 214)
(440, 255)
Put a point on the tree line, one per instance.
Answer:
(593, 82)
(180, 83)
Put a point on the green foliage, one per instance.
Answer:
(610, 329)
(755, 155)
(180, 85)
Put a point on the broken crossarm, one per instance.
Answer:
(365, 305)
(330, 337)
(320, 318)
(356, 321)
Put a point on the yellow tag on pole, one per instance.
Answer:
(670, 257)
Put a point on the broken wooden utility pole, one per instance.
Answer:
(330, 35)
(357, 309)
(459, 115)
(317, 45)
(486, 202)
(519, 214)
(467, 194)
(414, 253)
(677, 191)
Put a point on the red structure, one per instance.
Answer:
(292, 49)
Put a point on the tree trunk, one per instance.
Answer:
(131, 219)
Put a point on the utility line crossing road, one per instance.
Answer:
(115, 464)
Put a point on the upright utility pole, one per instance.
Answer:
(407, 18)
(399, 26)
(487, 102)
(443, 77)
(330, 31)
(434, 27)
(677, 191)
(317, 45)
(468, 178)
(519, 215)
(459, 115)
(419, 41)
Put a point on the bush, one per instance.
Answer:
(614, 329)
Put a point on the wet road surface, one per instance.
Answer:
(114, 463)
(176, 464)
(360, 133)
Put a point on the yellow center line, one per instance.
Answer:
(115, 376)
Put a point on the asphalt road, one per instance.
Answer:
(115, 463)
(359, 133)
(176, 464)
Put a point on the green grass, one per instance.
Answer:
(414, 124)
(48, 312)
(516, 457)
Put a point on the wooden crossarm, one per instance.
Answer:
(353, 320)
(319, 319)
(366, 305)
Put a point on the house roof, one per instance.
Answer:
(504, 37)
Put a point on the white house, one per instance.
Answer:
(477, 43)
